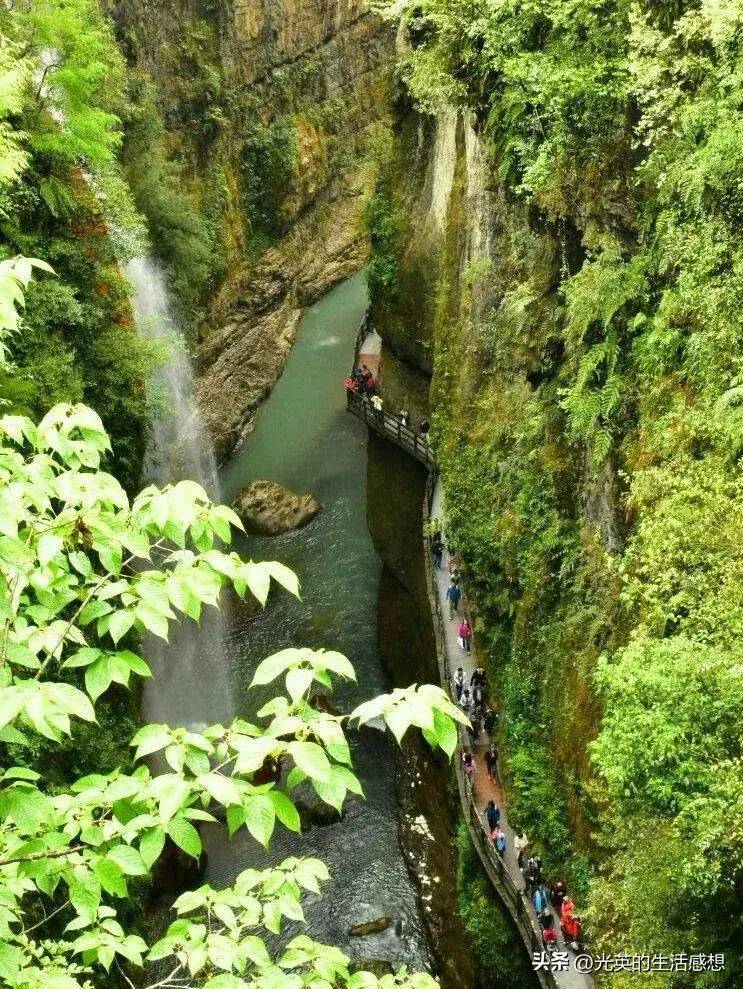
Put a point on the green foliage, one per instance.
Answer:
(500, 961)
(182, 234)
(71, 206)
(268, 158)
(589, 420)
(82, 572)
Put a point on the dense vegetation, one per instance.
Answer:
(491, 938)
(71, 207)
(587, 384)
(75, 592)
(86, 570)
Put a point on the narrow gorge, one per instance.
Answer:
(315, 675)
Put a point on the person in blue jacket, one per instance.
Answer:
(453, 594)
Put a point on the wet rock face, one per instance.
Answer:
(370, 927)
(323, 69)
(377, 966)
(267, 508)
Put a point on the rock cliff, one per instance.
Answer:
(267, 108)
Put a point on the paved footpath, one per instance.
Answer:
(485, 789)
(370, 352)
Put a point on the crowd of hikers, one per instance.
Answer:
(363, 383)
(551, 902)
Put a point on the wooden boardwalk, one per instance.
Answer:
(390, 426)
(369, 351)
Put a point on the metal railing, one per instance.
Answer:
(391, 427)
(385, 423)
(500, 878)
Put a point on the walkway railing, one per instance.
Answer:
(385, 423)
(513, 897)
(390, 426)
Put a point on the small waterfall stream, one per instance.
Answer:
(180, 448)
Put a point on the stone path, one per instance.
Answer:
(484, 789)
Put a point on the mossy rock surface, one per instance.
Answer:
(267, 508)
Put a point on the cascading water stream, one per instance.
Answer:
(191, 682)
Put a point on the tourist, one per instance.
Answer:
(479, 678)
(567, 909)
(559, 892)
(377, 403)
(404, 417)
(465, 635)
(572, 929)
(424, 426)
(465, 701)
(499, 840)
(459, 683)
(549, 937)
(520, 844)
(491, 761)
(473, 728)
(489, 721)
(478, 698)
(492, 816)
(437, 549)
(453, 594)
(468, 763)
(532, 875)
(540, 899)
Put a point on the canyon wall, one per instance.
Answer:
(460, 246)
(568, 269)
(266, 112)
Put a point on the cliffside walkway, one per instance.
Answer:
(504, 873)
(368, 351)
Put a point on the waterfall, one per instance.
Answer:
(190, 684)
(180, 447)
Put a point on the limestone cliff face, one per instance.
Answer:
(299, 89)
(473, 299)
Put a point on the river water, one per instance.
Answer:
(305, 439)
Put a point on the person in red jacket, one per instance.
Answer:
(567, 909)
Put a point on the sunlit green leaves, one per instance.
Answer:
(427, 707)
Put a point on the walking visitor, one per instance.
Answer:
(437, 549)
(479, 678)
(465, 635)
(492, 816)
(490, 721)
(459, 683)
(491, 761)
(520, 844)
(453, 594)
(499, 841)
(468, 762)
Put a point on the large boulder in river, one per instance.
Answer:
(267, 508)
